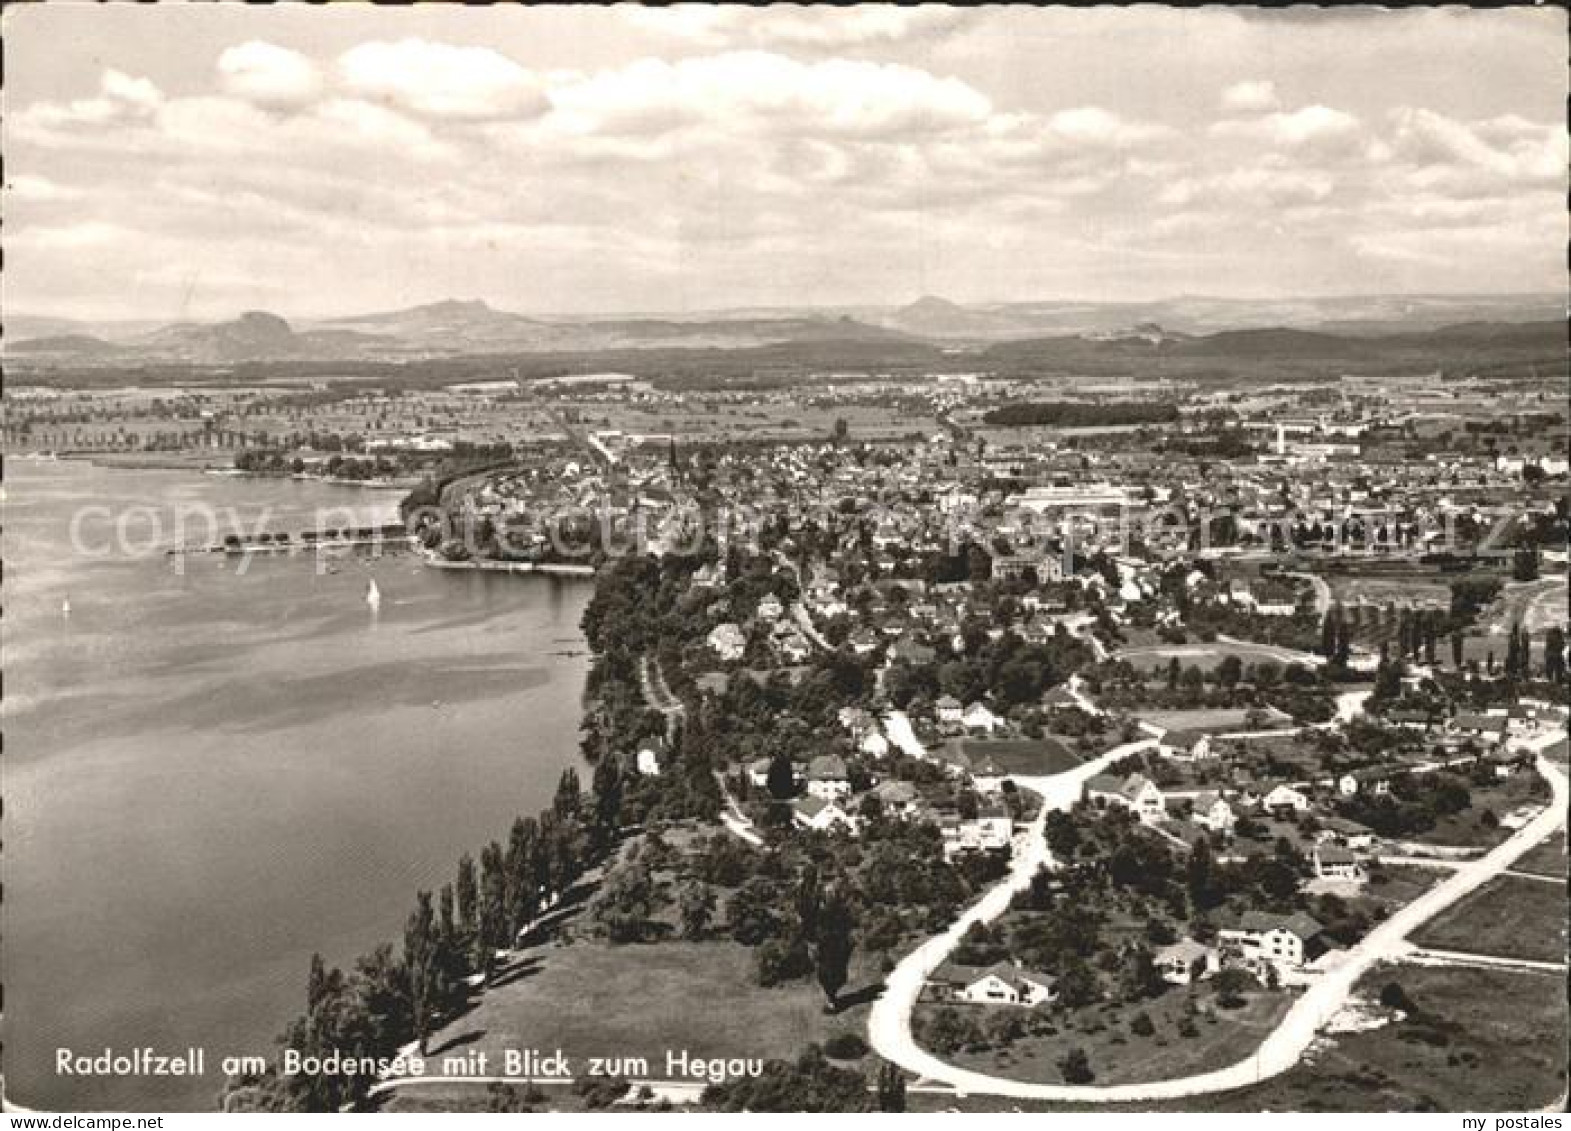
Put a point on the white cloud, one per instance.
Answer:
(1263, 184)
(439, 80)
(139, 92)
(70, 237)
(776, 160)
(857, 25)
(1250, 96)
(1510, 149)
(1095, 126)
(833, 96)
(40, 190)
(269, 75)
(1319, 126)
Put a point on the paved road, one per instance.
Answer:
(1534, 876)
(889, 1025)
(1077, 692)
(1081, 625)
(1276, 651)
(897, 725)
(1429, 956)
(804, 621)
(658, 695)
(732, 816)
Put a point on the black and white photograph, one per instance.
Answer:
(697, 558)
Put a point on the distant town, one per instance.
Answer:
(1130, 717)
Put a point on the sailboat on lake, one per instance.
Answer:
(373, 595)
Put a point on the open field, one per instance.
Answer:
(1547, 859)
(793, 420)
(1387, 589)
(1204, 656)
(1501, 1047)
(1025, 756)
(466, 1097)
(1510, 917)
(1221, 719)
(1546, 609)
(591, 999)
(1117, 1055)
(1471, 826)
(1536, 604)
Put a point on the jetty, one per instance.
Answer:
(560, 569)
(268, 541)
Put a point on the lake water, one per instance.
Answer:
(209, 777)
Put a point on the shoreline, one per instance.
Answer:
(400, 546)
(130, 461)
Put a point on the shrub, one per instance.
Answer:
(1076, 1067)
(1394, 996)
(845, 1046)
(1142, 1025)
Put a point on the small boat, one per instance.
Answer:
(65, 607)
(373, 595)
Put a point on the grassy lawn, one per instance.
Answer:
(447, 1098)
(593, 999)
(1510, 916)
(1471, 828)
(1221, 719)
(1380, 590)
(1025, 756)
(1275, 829)
(1118, 1055)
(1504, 1037)
(635, 1003)
(1547, 859)
(1202, 655)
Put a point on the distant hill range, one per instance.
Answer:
(1355, 316)
(439, 329)
(1189, 326)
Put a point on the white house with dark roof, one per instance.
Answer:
(650, 755)
(1332, 862)
(770, 607)
(899, 798)
(874, 744)
(980, 717)
(989, 831)
(728, 641)
(1186, 746)
(1003, 983)
(1185, 961)
(864, 641)
(1211, 811)
(1136, 793)
(1285, 797)
(827, 777)
(1262, 938)
(1484, 729)
(820, 814)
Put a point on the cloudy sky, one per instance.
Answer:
(197, 161)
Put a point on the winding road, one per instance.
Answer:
(889, 1024)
